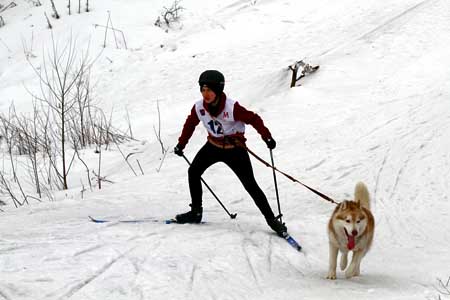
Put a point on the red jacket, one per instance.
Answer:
(239, 114)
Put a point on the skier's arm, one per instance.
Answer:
(188, 128)
(251, 118)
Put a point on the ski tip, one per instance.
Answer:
(96, 220)
(292, 242)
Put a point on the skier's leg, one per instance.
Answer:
(205, 157)
(239, 161)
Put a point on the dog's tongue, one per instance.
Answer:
(351, 242)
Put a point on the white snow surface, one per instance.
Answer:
(377, 111)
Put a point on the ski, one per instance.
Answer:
(292, 242)
(146, 220)
(96, 220)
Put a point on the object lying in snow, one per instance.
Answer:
(303, 68)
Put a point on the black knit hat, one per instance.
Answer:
(212, 79)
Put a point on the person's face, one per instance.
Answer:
(208, 95)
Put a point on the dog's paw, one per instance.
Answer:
(350, 272)
(331, 275)
(343, 264)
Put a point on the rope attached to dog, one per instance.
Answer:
(288, 176)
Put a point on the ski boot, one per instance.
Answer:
(192, 216)
(277, 226)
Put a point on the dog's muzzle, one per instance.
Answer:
(351, 238)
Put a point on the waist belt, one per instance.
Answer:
(223, 144)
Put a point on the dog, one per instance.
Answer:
(350, 228)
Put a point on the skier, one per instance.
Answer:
(225, 121)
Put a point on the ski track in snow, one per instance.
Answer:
(247, 241)
(269, 255)
(192, 277)
(13, 248)
(397, 179)
(87, 250)
(386, 24)
(136, 287)
(377, 181)
(377, 128)
(4, 296)
(371, 32)
(250, 266)
(310, 168)
(75, 289)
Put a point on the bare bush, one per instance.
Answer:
(169, 15)
(55, 12)
(15, 141)
(130, 131)
(164, 150)
(108, 26)
(31, 145)
(6, 189)
(443, 288)
(58, 76)
(69, 6)
(2, 22)
(28, 48)
(158, 130)
(6, 46)
(35, 2)
(65, 92)
(49, 25)
(64, 120)
(21, 138)
(5, 7)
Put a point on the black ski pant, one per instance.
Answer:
(238, 160)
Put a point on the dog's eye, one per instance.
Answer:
(348, 221)
(359, 221)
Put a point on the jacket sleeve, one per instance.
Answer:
(188, 128)
(251, 118)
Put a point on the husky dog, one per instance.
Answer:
(351, 228)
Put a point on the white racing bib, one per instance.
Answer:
(222, 125)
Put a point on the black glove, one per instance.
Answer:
(270, 142)
(178, 150)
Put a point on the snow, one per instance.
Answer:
(377, 111)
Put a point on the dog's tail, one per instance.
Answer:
(362, 195)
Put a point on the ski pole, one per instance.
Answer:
(276, 186)
(232, 216)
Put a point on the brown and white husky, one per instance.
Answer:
(351, 228)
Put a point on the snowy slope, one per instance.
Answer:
(376, 111)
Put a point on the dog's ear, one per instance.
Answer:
(343, 205)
